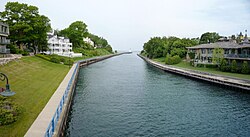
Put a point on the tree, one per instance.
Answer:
(27, 26)
(40, 33)
(191, 55)
(217, 56)
(154, 47)
(172, 60)
(160, 47)
(100, 42)
(223, 65)
(245, 68)
(179, 48)
(234, 66)
(75, 32)
(209, 37)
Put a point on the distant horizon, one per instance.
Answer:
(128, 24)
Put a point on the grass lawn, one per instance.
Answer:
(34, 80)
(186, 65)
(92, 53)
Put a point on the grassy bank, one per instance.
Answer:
(186, 65)
(90, 53)
(34, 80)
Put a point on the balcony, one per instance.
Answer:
(4, 33)
(4, 50)
(237, 56)
(4, 41)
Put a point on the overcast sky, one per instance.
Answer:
(128, 24)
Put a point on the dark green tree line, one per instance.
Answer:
(209, 37)
(158, 47)
(77, 31)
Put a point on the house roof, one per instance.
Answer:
(223, 45)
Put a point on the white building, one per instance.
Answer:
(89, 41)
(60, 46)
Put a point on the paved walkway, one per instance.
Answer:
(40, 125)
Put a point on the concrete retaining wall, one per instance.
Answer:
(234, 83)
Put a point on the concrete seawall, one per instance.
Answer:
(52, 120)
(230, 82)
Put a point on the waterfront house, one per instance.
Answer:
(4, 33)
(60, 46)
(89, 41)
(232, 51)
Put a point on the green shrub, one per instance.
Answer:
(223, 65)
(55, 60)
(68, 62)
(211, 66)
(191, 55)
(62, 59)
(176, 59)
(234, 66)
(8, 111)
(43, 57)
(172, 60)
(200, 65)
(13, 49)
(245, 68)
(169, 60)
(191, 63)
(25, 53)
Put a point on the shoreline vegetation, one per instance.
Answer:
(186, 65)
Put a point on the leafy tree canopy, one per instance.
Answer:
(160, 47)
(217, 56)
(100, 42)
(27, 26)
(209, 37)
(75, 32)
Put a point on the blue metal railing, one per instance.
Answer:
(52, 125)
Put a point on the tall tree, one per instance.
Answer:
(76, 32)
(209, 37)
(154, 47)
(27, 26)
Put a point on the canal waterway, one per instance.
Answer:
(124, 96)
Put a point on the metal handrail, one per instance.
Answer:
(52, 125)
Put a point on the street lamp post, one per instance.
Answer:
(7, 91)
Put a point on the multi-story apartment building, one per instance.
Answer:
(4, 33)
(232, 51)
(60, 46)
(204, 52)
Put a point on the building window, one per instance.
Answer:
(210, 51)
(203, 51)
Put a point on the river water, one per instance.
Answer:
(124, 96)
